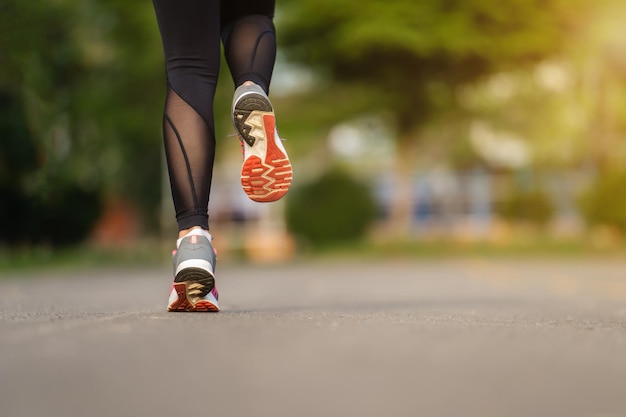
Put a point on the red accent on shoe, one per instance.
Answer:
(203, 305)
(182, 303)
(269, 179)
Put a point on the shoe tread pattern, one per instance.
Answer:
(246, 105)
(268, 179)
(188, 301)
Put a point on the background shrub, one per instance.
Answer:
(604, 202)
(333, 209)
(55, 209)
(531, 205)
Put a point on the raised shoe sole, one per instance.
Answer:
(266, 173)
(184, 297)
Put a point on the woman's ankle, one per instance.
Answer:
(183, 232)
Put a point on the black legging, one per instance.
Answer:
(191, 32)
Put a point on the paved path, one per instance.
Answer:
(406, 338)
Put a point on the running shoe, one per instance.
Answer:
(266, 173)
(194, 274)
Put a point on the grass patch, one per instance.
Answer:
(437, 249)
(156, 253)
(84, 256)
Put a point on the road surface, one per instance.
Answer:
(462, 337)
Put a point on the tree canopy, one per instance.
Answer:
(84, 76)
(416, 56)
(415, 53)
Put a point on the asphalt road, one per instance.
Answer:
(468, 337)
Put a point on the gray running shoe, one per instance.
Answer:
(266, 173)
(194, 276)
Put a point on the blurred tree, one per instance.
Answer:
(18, 157)
(124, 101)
(86, 76)
(600, 66)
(414, 56)
(42, 69)
(579, 92)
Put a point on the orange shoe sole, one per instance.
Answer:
(185, 303)
(267, 178)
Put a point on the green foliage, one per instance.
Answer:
(89, 77)
(417, 57)
(333, 209)
(64, 215)
(18, 154)
(604, 202)
(55, 211)
(415, 53)
(527, 205)
(353, 30)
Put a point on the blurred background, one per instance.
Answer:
(413, 127)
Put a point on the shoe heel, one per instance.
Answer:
(180, 300)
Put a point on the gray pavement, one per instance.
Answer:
(465, 337)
